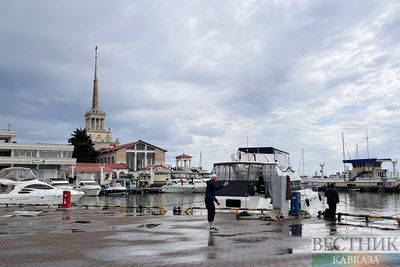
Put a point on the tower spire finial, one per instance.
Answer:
(95, 102)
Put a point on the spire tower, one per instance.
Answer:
(95, 101)
(96, 117)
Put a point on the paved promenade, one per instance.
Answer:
(96, 237)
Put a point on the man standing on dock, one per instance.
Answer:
(210, 198)
(332, 198)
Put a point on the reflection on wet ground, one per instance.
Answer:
(108, 237)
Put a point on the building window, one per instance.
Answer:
(130, 160)
(24, 153)
(140, 161)
(149, 148)
(150, 159)
(140, 147)
(49, 154)
(112, 159)
(67, 154)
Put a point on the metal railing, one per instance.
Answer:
(139, 208)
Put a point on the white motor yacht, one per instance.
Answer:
(115, 189)
(178, 187)
(250, 176)
(19, 186)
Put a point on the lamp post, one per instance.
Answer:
(73, 171)
(101, 166)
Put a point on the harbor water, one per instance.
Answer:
(384, 204)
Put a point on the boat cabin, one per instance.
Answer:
(250, 171)
(367, 168)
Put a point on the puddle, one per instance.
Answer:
(296, 229)
(251, 239)
(149, 225)
(77, 230)
(284, 251)
(23, 213)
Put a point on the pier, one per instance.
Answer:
(83, 237)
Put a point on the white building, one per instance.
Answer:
(46, 160)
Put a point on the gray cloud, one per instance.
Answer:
(206, 76)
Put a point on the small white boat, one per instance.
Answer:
(199, 186)
(115, 189)
(20, 186)
(61, 183)
(87, 184)
(90, 188)
(177, 187)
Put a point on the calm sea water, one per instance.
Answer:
(387, 204)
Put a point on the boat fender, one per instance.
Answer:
(307, 202)
(319, 196)
(288, 188)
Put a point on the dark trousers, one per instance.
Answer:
(332, 211)
(210, 209)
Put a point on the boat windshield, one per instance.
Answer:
(241, 171)
(17, 174)
(263, 154)
(89, 183)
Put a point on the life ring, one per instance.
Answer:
(307, 202)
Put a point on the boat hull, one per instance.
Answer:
(177, 189)
(114, 192)
(199, 189)
(308, 197)
(91, 192)
(56, 198)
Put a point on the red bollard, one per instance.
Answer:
(66, 199)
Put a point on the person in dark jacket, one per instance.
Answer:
(332, 198)
(210, 199)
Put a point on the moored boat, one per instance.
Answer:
(178, 187)
(19, 186)
(115, 189)
(250, 175)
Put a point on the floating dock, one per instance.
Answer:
(371, 186)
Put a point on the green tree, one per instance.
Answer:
(83, 146)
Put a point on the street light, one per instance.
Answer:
(101, 166)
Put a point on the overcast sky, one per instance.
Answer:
(208, 76)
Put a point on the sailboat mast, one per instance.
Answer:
(344, 157)
(302, 154)
(367, 144)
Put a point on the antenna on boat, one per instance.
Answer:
(302, 153)
(344, 158)
(201, 163)
(367, 144)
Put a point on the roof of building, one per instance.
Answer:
(115, 148)
(96, 166)
(365, 160)
(183, 156)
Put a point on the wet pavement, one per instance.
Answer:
(79, 237)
